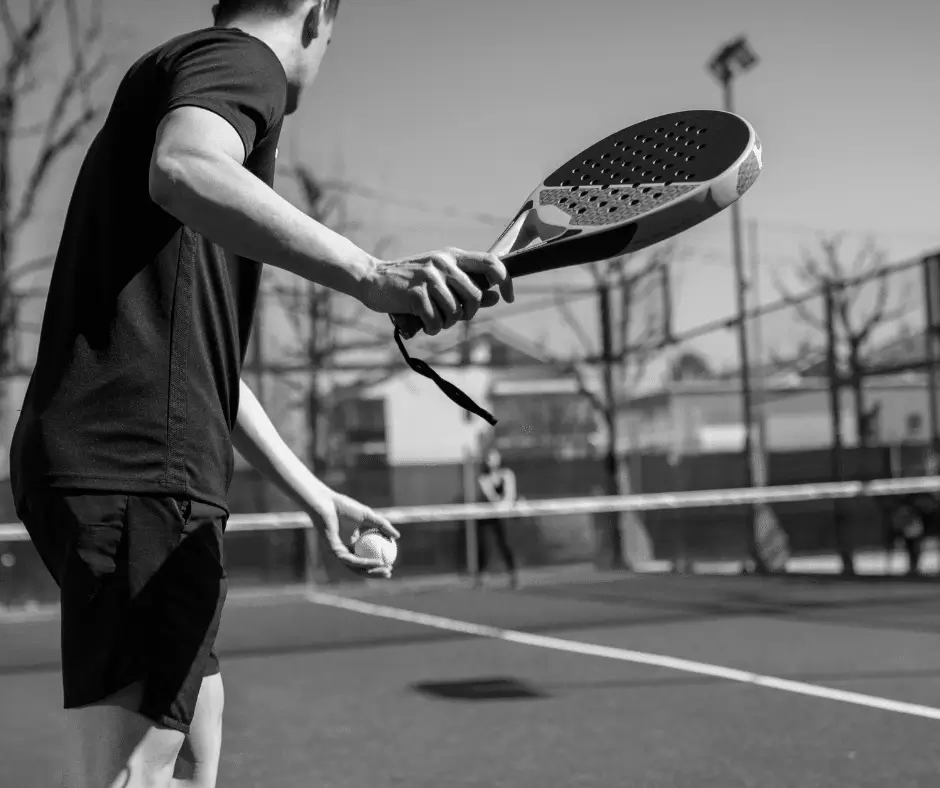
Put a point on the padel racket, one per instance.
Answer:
(637, 187)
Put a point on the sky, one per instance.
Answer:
(462, 107)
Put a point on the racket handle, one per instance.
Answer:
(411, 325)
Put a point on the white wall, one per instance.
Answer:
(424, 425)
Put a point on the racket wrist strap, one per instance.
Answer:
(450, 390)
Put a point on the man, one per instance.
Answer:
(498, 485)
(123, 453)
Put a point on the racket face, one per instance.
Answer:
(639, 186)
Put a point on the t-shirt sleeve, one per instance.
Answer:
(238, 79)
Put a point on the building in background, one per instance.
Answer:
(538, 406)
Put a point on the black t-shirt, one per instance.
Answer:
(146, 325)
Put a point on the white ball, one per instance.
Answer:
(375, 545)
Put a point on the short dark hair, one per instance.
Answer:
(225, 9)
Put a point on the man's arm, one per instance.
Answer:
(489, 491)
(196, 175)
(258, 441)
(509, 486)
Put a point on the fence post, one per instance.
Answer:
(930, 267)
(747, 408)
(835, 413)
(471, 532)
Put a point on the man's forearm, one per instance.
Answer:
(221, 200)
(257, 440)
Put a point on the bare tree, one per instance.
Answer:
(330, 327)
(631, 334)
(33, 143)
(862, 303)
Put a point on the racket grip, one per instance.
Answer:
(411, 326)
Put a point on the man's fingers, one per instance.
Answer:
(386, 528)
(372, 567)
(358, 562)
(447, 307)
(453, 285)
(506, 291)
(492, 269)
(427, 313)
(468, 293)
(501, 277)
(489, 299)
(456, 294)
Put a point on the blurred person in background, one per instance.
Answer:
(498, 485)
(913, 520)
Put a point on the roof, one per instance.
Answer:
(504, 347)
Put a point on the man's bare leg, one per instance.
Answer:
(198, 762)
(111, 745)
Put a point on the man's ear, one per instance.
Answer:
(312, 22)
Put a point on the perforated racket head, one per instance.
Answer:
(637, 187)
(642, 185)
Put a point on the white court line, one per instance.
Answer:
(625, 655)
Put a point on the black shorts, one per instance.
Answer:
(142, 588)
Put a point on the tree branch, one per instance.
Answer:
(799, 306)
(79, 80)
(623, 328)
(830, 247)
(23, 41)
(41, 263)
(585, 390)
(50, 153)
(9, 26)
(80, 40)
(596, 273)
(569, 318)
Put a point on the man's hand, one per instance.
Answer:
(331, 509)
(437, 288)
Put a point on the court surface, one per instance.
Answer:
(577, 680)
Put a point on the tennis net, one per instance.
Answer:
(814, 527)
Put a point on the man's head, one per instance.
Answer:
(299, 32)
